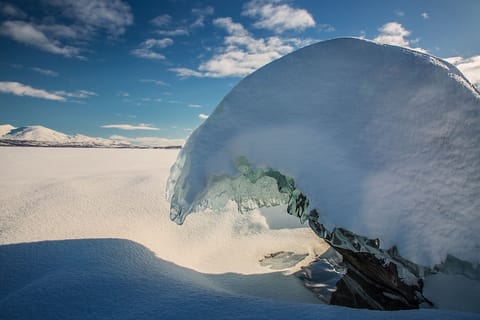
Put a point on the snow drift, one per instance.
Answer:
(382, 140)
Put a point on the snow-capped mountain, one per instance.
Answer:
(42, 136)
(5, 128)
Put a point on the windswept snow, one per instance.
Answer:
(384, 141)
(61, 209)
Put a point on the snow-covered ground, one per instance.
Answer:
(85, 233)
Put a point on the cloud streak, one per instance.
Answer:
(30, 35)
(82, 22)
(149, 141)
(156, 82)
(129, 127)
(111, 16)
(20, 89)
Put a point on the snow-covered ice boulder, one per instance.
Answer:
(383, 141)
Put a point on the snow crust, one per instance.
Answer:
(384, 141)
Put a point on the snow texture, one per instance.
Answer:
(61, 209)
(384, 141)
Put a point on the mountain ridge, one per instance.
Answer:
(40, 136)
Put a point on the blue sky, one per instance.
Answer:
(159, 68)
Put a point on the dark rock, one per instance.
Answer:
(375, 278)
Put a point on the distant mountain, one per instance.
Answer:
(5, 128)
(39, 136)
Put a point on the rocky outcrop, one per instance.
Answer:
(375, 278)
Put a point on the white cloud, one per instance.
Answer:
(241, 53)
(399, 12)
(149, 141)
(201, 14)
(31, 35)
(82, 21)
(195, 105)
(278, 17)
(112, 16)
(203, 116)
(425, 15)
(46, 72)
(470, 67)
(10, 10)
(123, 94)
(141, 126)
(147, 48)
(394, 33)
(20, 89)
(172, 33)
(162, 20)
(156, 82)
(186, 72)
(82, 94)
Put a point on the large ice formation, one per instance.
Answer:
(382, 140)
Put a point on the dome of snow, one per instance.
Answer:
(384, 141)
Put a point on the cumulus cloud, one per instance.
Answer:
(29, 34)
(470, 67)
(203, 116)
(20, 89)
(149, 141)
(425, 15)
(147, 49)
(394, 33)
(241, 53)
(141, 126)
(192, 105)
(278, 17)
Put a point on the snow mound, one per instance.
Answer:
(383, 141)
